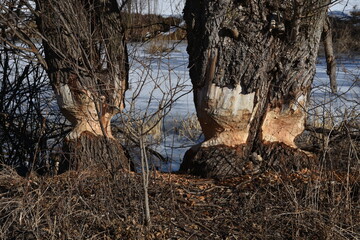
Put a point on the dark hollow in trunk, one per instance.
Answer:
(251, 65)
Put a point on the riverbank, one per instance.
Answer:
(92, 204)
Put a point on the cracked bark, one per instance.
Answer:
(251, 65)
(87, 65)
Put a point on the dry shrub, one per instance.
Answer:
(74, 205)
(307, 204)
(320, 203)
(178, 34)
(346, 33)
(140, 25)
(346, 42)
(158, 48)
(189, 128)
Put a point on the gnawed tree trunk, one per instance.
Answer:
(251, 64)
(87, 65)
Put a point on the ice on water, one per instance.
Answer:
(165, 76)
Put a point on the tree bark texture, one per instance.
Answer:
(329, 55)
(87, 65)
(251, 65)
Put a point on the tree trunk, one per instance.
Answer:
(87, 65)
(251, 64)
(329, 55)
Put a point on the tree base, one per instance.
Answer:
(89, 151)
(224, 161)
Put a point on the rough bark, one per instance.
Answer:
(251, 64)
(329, 55)
(87, 65)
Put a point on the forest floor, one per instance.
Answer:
(318, 202)
(94, 204)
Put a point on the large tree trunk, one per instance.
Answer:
(251, 64)
(87, 65)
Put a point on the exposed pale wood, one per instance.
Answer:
(87, 64)
(251, 64)
(284, 124)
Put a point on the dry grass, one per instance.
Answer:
(75, 205)
(319, 203)
(139, 26)
(346, 35)
(158, 48)
(179, 34)
(188, 127)
(92, 205)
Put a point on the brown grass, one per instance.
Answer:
(91, 204)
(318, 203)
(140, 25)
(157, 48)
(188, 127)
(346, 35)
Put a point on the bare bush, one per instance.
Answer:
(311, 203)
(346, 33)
(31, 124)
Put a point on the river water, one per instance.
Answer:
(158, 77)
